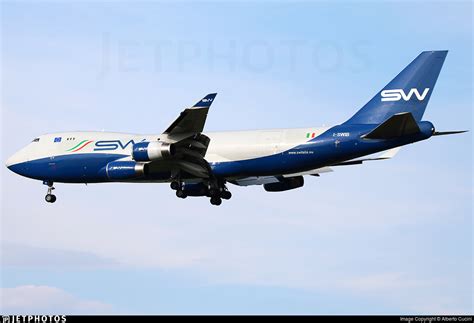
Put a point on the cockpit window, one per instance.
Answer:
(36, 140)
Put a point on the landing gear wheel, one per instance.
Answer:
(226, 195)
(213, 192)
(175, 186)
(215, 200)
(181, 194)
(50, 198)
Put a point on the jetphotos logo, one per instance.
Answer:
(399, 94)
(33, 318)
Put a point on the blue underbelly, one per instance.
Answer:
(281, 163)
(77, 168)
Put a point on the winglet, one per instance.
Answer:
(192, 120)
(206, 101)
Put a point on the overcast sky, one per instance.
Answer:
(386, 237)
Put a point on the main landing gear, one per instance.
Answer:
(178, 187)
(217, 191)
(50, 198)
(218, 194)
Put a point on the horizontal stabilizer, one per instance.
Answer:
(442, 133)
(386, 155)
(389, 153)
(398, 125)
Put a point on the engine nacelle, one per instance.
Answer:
(118, 170)
(152, 150)
(285, 185)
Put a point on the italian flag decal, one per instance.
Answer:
(80, 145)
(310, 135)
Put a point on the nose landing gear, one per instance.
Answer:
(50, 198)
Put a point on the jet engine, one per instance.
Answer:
(122, 170)
(285, 185)
(152, 150)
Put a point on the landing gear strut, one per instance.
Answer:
(50, 198)
(214, 188)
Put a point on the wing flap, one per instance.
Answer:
(313, 172)
(262, 180)
(255, 180)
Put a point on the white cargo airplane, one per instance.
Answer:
(201, 164)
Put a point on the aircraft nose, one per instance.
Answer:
(12, 161)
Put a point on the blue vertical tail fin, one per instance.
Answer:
(409, 91)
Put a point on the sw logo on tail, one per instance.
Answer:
(398, 94)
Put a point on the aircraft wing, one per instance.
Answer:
(191, 120)
(261, 180)
(185, 133)
(313, 172)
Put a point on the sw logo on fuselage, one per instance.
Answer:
(398, 94)
(113, 144)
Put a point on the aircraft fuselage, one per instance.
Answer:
(81, 157)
